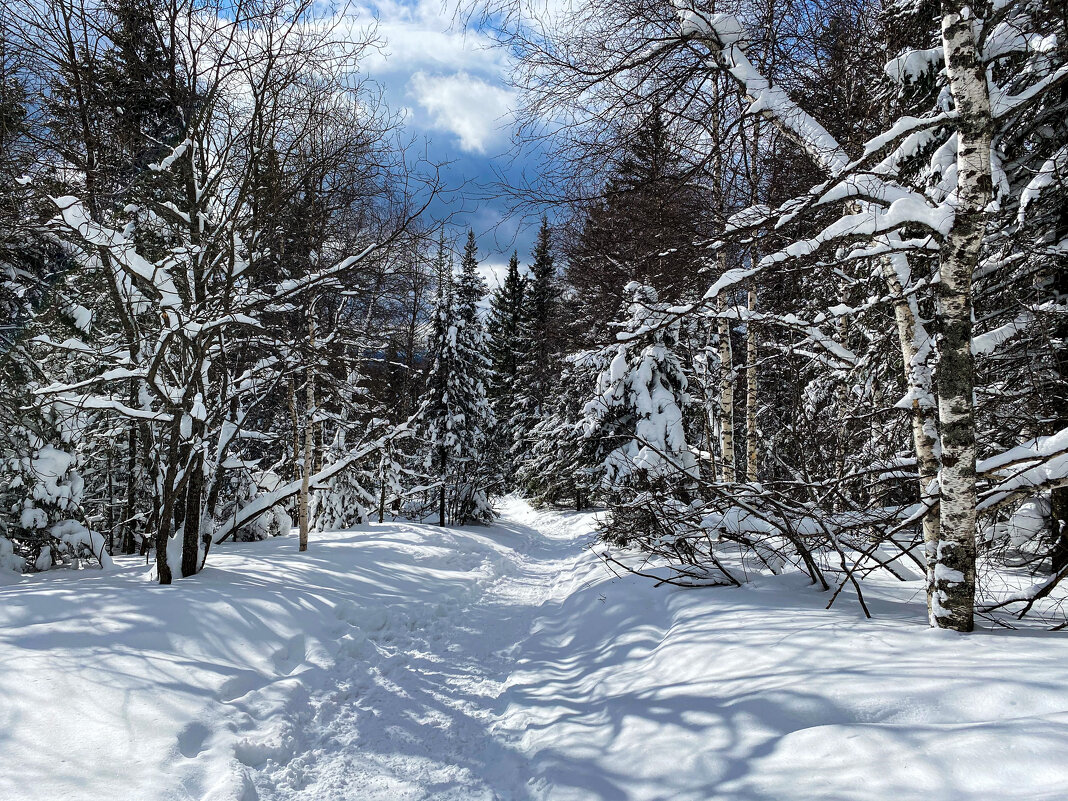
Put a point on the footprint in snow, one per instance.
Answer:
(191, 740)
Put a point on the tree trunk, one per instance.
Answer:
(129, 546)
(309, 436)
(382, 493)
(111, 503)
(915, 352)
(166, 507)
(441, 503)
(726, 396)
(953, 599)
(710, 405)
(752, 447)
(295, 474)
(193, 515)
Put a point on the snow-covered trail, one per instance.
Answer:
(410, 710)
(402, 662)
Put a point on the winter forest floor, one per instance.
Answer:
(402, 662)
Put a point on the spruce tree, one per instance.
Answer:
(456, 414)
(635, 421)
(560, 463)
(471, 288)
(505, 351)
(539, 343)
(644, 227)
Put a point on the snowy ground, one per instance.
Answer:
(403, 662)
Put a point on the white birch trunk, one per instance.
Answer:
(953, 598)
(915, 352)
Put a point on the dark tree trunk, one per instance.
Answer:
(128, 543)
(191, 518)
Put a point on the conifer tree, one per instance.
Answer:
(456, 414)
(560, 462)
(644, 227)
(635, 420)
(538, 342)
(470, 288)
(505, 350)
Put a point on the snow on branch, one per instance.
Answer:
(72, 214)
(1042, 465)
(725, 36)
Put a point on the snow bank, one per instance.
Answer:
(504, 662)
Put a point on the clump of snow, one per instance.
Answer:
(726, 28)
(913, 65)
(272, 522)
(10, 562)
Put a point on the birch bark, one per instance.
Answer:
(309, 437)
(953, 599)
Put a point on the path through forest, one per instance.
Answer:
(413, 706)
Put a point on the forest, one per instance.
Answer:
(740, 366)
(797, 295)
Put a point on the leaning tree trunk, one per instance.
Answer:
(912, 338)
(752, 446)
(953, 599)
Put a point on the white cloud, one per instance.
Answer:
(426, 34)
(475, 111)
(493, 273)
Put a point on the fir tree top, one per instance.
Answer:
(471, 287)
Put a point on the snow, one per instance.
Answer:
(174, 155)
(74, 216)
(727, 28)
(81, 317)
(912, 65)
(989, 342)
(765, 99)
(402, 661)
(1046, 177)
(1033, 465)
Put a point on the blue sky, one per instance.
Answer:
(451, 85)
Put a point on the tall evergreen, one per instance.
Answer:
(644, 227)
(541, 316)
(456, 415)
(471, 287)
(539, 344)
(505, 350)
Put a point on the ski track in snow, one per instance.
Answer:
(504, 663)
